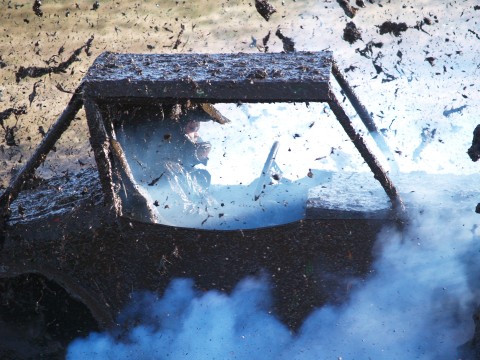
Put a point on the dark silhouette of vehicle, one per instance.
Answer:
(74, 248)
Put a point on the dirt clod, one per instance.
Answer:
(265, 9)
(351, 33)
(349, 10)
(360, 3)
(431, 60)
(474, 150)
(389, 27)
(37, 8)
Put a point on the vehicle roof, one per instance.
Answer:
(252, 77)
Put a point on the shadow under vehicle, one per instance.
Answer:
(95, 237)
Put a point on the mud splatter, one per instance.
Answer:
(474, 33)
(420, 24)
(288, 43)
(452, 110)
(349, 10)
(379, 69)
(431, 60)
(265, 41)
(351, 33)
(5, 114)
(350, 68)
(360, 3)
(10, 131)
(389, 27)
(34, 93)
(95, 5)
(474, 150)
(367, 51)
(36, 71)
(178, 42)
(37, 8)
(265, 9)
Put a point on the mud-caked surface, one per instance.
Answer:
(103, 260)
(41, 198)
(38, 318)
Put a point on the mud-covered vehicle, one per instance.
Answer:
(162, 203)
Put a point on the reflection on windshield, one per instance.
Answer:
(254, 171)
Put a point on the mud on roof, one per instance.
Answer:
(216, 77)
